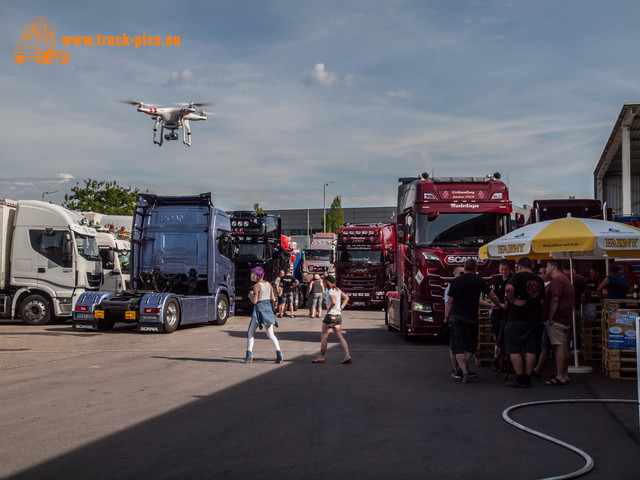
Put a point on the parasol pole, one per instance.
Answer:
(576, 368)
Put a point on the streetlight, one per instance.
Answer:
(47, 193)
(324, 209)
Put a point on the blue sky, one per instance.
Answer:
(355, 92)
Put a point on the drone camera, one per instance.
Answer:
(171, 136)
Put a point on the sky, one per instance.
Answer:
(358, 93)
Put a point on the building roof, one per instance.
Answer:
(610, 163)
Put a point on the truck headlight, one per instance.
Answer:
(380, 294)
(422, 307)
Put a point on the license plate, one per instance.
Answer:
(358, 304)
(84, 316)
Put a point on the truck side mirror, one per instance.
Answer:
(67, 250)
(109, 259)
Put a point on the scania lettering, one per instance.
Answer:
(365, 263)
(440, 223)
(48, 259)
(182, 269)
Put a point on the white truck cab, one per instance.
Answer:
(49, 258)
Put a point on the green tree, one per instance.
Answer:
(335, 216)
(258, 209)
(102, 197)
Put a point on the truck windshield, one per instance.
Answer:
(124, 257)
(250, 251)
(457, 229)
(87, 247)
(360, 256)
(318, 255)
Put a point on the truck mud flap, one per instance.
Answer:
(91, 325)
(150, 327)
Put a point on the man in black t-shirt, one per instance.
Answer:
(288, 284)
(462, 312)
(498, 315)
(524, 292)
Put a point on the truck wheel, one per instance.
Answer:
(222, 311)
(35, 310)
(171, 318)
(386, 318)
(17, 58)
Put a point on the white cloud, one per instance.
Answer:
(320, 75)
(185, 77)
(64, 177)
(399, 94)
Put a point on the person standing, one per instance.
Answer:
(462, 307)
(560, 297)
(524, 292)
(288, 284)
(455, 371)
(281, 300)
(261, 296)
(333, 322)
(315, 292)
(615, 283)
(498, 315)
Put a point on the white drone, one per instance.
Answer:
(172, 118)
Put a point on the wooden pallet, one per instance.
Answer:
(620, 364)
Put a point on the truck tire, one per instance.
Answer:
(386, 318)
(222, 310)
(171, 317)
(36, 310)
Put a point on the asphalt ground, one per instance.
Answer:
(120, 404)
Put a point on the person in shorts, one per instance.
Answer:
(462, 312)
(524, 293)
(333, 321)
(288, 284)
(315, 292)
(560, 298)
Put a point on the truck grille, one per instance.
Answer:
(360, 280)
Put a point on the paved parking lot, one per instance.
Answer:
(126, 405)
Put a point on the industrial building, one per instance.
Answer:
(617, 174)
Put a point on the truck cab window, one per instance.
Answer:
(225, 245)
(48, 244)
(87, 247)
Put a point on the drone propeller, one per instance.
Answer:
(196, 104)
(130, 102)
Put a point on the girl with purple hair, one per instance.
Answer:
(262, 297)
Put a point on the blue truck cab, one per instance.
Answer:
(182, 272)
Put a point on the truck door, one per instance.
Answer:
(224, 266)
(54, 260)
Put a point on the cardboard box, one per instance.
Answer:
(621, 329)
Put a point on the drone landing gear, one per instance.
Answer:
(186, 133)
(155, 130)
